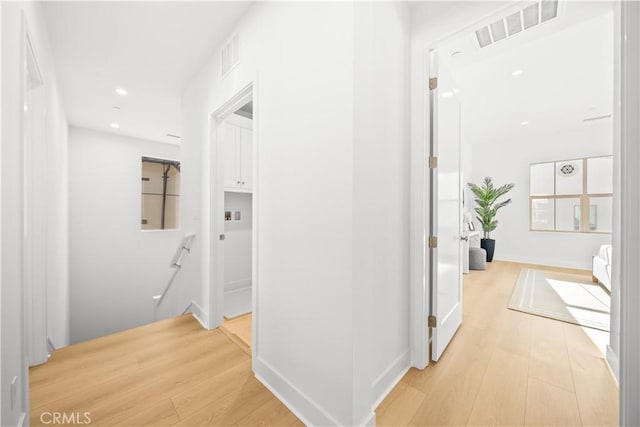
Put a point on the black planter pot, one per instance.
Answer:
(488, 245)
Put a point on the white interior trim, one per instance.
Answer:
(237, 286)
(614, 364)
(34, 244)
(419, 198)
(629, 356)
(216, 207)
(291, 396)
(418, 232)
(613, 348)
(198, 313)
(391, 376)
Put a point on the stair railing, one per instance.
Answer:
(176, 264)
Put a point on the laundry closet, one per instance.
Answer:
(237, 149)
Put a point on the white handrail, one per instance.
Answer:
(176, 263)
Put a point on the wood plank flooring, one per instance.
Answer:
(503, 367)
(168, 373)
(239, 329)
(509, 368)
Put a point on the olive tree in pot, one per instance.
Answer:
(487, 207)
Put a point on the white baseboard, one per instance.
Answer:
(302, 406)
(197, 312)
(370, 421)
(237, 285)
(237, 302)
(613, 363)
(543, 261)
(383, 385)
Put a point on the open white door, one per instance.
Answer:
(445, 208)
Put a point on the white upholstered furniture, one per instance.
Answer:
(473, 241)
(601, 267)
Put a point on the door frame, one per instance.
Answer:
(34, 243)
(420, 267)
(420, 183)
(443, 320)
(627, 244)
(216, 210)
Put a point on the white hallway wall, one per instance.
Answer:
(508, 161)
(13, 359)
(381, 201)
(318, 302)
(115, 267)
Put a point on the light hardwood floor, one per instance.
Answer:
(168, 373)
(502, 368)
(505, 367)
(239, 330)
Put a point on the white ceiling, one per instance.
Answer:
(567, 76)
(151, 49)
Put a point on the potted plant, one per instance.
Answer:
(487, 207)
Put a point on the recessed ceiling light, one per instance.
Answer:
(122, 91)
(447, 94)
(524, 123)
(517, 72)
(26, 107)
(115, 125)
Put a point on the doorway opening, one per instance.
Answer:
(238, 202)
(511, 107)
(233, 216)
(525, 87)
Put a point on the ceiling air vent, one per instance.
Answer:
(229, 55)
(524, 19)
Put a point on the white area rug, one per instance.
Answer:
(566, 297)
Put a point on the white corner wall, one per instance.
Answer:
(380, 203)
(321, 152)
(514, 241)
(115, 267)
(13, 358)
(301, 59)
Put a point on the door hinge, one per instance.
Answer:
(433, 242)
(433, 162)
(432, 322)
(433, 83)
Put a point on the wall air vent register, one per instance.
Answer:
(229, 55)
(515, 23)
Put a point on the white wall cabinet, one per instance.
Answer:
(238, 158)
